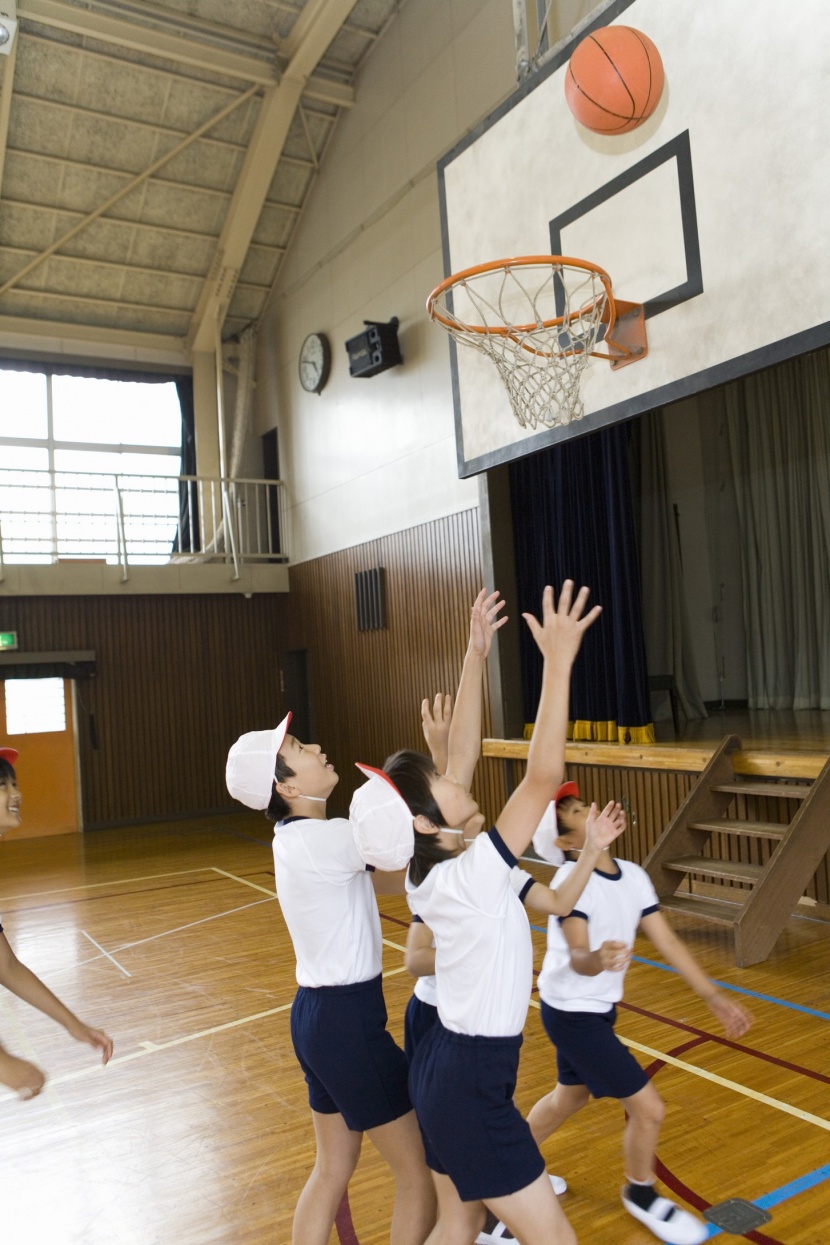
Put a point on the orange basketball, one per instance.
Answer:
(614, 80)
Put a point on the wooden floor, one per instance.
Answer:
(198, 1131)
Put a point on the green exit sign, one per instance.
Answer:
(8, 640)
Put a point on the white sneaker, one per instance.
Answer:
(500, 1232)
(669, 1222)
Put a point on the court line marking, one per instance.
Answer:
(244, 881)
(88, 886)
(720, 1080)
(782, 1194)
(153, 1048)
(753, 994)
(120, 967)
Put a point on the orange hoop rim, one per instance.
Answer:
(524, 261)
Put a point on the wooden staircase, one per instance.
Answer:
(795, 852)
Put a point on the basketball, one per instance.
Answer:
(614, 80)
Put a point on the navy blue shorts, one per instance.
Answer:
(419, 1018)
(462, 1088)
(589, 1053)
(350, 1061)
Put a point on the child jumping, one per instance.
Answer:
(463, 1074)
(581, 982)
(23, 1077)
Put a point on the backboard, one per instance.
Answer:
(712, 214)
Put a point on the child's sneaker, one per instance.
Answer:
(494, 1231)
(666, 1221)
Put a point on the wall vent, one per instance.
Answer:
(370, 599)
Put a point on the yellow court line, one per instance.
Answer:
(720, 1080)
(388, 943)
(244, 881)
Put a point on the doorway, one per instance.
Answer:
(37, 717)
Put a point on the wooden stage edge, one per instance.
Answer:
(672, 757)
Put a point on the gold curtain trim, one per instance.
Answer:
(605, 732)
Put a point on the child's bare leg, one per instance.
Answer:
(338, 1149)
(458, 1222)
(550, 1112)
(533, 1215)
(645, 1116)
(399, 1143)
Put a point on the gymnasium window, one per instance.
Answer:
(82, 458)
(34, 706)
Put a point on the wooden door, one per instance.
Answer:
(47, 773)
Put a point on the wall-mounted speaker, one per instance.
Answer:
(376, 350)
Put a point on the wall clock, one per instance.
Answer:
(315, 362)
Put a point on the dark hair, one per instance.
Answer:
(7, 771)
(411, 773)
(563, 805)
(278, 809)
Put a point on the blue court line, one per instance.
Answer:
(753, 994)
(785, 1192)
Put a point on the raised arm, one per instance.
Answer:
(464, 743)
(601, 830)
(419, 958)
(558, 636)
(435, 723)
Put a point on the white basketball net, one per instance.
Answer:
(538, 322)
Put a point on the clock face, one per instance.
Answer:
(315, 362)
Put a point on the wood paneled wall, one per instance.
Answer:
(178, 678)
(367, 686)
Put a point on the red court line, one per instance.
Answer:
(343, 1223)
(673, 1182)
(722, 1041)
(395, 920)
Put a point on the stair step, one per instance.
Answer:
(733, 870)
(779, 790)
(750, 829)
(721, 913)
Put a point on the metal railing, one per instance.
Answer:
(129, 520)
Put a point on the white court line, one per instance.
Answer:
(153, 1048)
(190, 925)
(88, 886)
(106, 953)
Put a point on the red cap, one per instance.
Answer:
(10, 755)
(567, 789)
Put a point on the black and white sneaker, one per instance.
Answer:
(667, 1221)
(495, 1232)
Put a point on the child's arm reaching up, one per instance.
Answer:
(464, 742)
(435, 722)
(601, 829)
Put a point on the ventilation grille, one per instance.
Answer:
(370, 599)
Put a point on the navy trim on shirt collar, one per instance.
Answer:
(611, 877)
(285, 821)
(502, 848)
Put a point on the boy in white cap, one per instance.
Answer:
(356, 1075)
(581, 981)
(18, 1074)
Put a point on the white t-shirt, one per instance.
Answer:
(613, 904)
(425, 988)
(328, 902)
(483, 952)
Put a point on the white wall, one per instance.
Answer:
(370, 457)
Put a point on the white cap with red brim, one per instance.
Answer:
(381, 822)
(547, 832)
(249, 773)
(10, 755)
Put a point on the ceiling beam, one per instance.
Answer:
(126, 189)
(115, 30)
(306, 44)
(23, 333)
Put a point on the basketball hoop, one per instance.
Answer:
(539, 318)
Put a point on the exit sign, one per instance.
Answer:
(8, 640)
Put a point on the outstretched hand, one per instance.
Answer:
(484, 621)
(435, 723)
(561, 630)
(24, 1078)
(93, 1037)
(734, 1018)
(601, 828)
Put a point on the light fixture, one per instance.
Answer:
(8, 26)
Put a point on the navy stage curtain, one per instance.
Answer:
(573, 518)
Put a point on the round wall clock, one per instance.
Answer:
(315, 362)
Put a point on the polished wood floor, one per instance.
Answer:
(198, 1131)
(777, 730)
